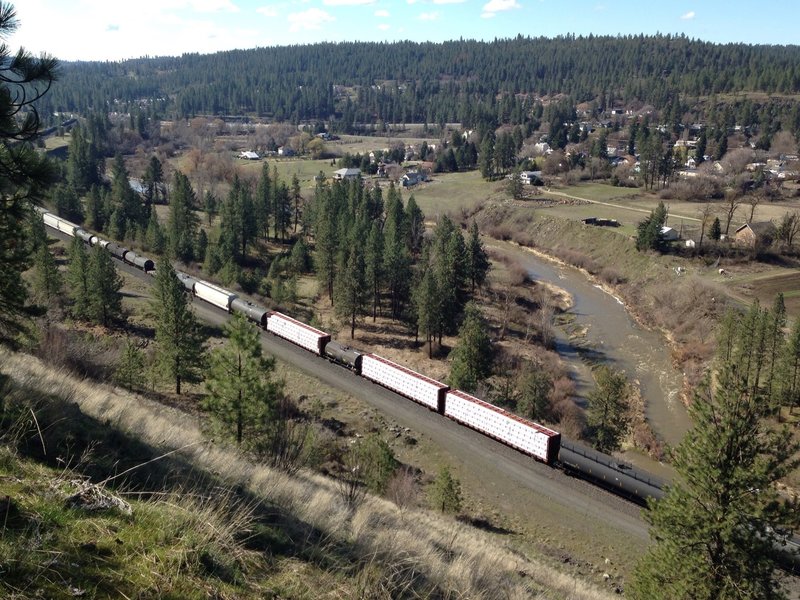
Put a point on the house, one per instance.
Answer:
(249, 155)
(755, 234)
(285, 151)
(346, 174)
(691, 163)
(412, 178)
(669, 234)
(542, 148)
(531, 177)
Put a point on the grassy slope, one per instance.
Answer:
(289, 536)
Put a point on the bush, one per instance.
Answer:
(611, 276)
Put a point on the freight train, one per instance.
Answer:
(532, 439)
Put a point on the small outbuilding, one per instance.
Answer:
(669, 234)
(755, 234)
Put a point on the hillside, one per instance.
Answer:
(405, 82)
(198, 520)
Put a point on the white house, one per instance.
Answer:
(346, 174)
(413, 178)
(530, 177)
(249, 155)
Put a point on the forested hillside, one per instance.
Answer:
(407, 82)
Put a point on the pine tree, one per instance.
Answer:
(127, 204)
(297, 200)
(445, 492)
(47, 281)
(534, 397)
(282, 211)
(715, 233)
(104, 298)
(774, 341)
(24, 79)
(67, 203)
(154, 239)
(78, 279)
(486, 159)
(210, 204)
(350, 291)
(263, 201)
(242, 397)
(608, 408)
(377, 463)
(95, 219)
(415, 219)
(450, 267)
(477, 259)
(325, 241)
(472, 356)
(788, 383)
(152, 180)
(300, 259)
(649, 236)
(428, 307)
(373, 266)
(182, 224)
(130, 366)
(514, 186)
(715, 529)
(179, 339)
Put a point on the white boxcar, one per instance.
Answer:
(527, 436)
(50, 220)
(419, 388)
(298, 333)
(212, 294)
(66, 227)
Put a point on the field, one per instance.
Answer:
(765, 285)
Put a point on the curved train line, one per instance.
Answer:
(532, 439)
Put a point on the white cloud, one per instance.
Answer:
(688, 16)
(268, 11)
(308, 20)
(449, 1)
(493, 7)
(384, 26)
(347, 2)
(412, 1)
(214, 6)
(383, 14)
(429, 16)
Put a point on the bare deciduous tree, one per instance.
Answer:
(732, 202)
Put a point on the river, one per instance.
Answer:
(614, 338)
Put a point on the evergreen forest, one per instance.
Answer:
(476, 83)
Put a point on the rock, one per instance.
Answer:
(606, 576)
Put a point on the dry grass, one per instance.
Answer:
(424, 550)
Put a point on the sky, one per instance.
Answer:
(116, 30)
